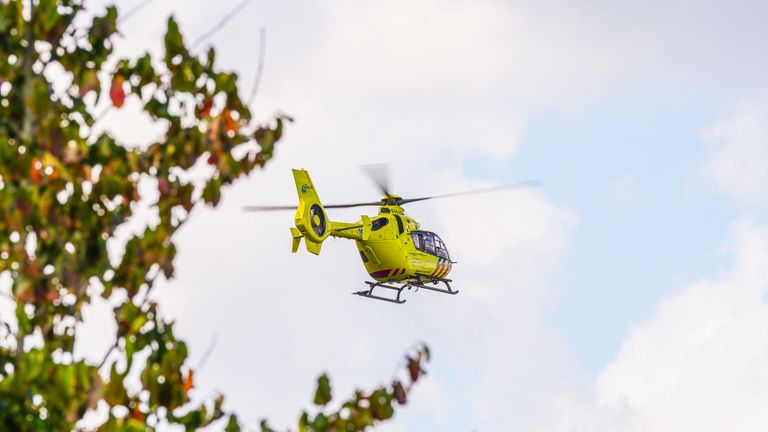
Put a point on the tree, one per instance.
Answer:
(64, 191)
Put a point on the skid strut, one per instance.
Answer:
(369, 292)
(420, 283)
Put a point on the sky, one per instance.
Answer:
(627, 293)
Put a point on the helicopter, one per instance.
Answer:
(395, 251)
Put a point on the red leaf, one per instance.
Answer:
(23, 206)
(414, 368)
(52, 295)
(399, 392)
(117, 92)
(34, 170)
(189, 381)
(229, 122)
(136, 414)
(205, 111)
(162, 185)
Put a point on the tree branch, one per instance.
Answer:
(135, 10)
(207, 353)
(221, 24)
(260, 67)
(106, 355)
(27, 130)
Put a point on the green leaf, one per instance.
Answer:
(232, 424)
(323, 392)
(174, 42)
(212, 191)
(381, 404)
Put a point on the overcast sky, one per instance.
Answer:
(627, 293)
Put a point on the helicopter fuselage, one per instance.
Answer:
(397, 251)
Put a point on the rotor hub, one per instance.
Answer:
(391, 200)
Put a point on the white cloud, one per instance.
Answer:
(700, 362)
(738, 164)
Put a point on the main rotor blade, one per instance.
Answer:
(267, 208)
(293, 207)
(372, 203)
(379, 174)
(518, 185)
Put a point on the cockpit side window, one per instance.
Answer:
(379, 223)
(429, 244)
(416, 240)
(440, 249)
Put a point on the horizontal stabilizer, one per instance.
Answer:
(296, 239)
(313, 247)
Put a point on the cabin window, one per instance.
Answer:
(379, 223)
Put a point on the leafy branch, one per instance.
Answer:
(65, 191)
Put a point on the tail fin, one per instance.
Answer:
(311, 220)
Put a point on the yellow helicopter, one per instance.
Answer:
(396, 253)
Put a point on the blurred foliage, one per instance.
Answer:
(66, 188)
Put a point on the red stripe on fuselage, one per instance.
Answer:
(380, 274)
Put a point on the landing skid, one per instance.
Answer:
(447, 282)
(420, 282)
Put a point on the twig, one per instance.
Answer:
(134, 10)
(144, 303)
(207, 352)
(106, 356)
(260, 67)
(220, 24)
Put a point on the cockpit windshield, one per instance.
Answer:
(430, 243)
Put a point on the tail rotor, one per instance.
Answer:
(311, 220)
